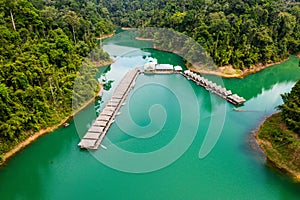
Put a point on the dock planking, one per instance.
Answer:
(94, 136)
(214, 88)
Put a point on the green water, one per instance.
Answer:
(55, 168)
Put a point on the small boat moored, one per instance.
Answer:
(66, 124)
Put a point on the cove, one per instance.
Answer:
(54, 167)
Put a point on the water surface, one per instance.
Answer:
(55, 168)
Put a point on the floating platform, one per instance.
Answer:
(94, 136)
(214, 88)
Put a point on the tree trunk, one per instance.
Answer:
(50, 81)
(13, 21)
(74, 34)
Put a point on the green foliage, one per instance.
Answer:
(43, 46)
(236, 32)
(97, 55)
(86, 86)
(285, 146)
(291, 108)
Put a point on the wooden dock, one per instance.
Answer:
(94, 136)
(152, 67)
(214, 88)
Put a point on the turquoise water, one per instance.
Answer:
(55, 168)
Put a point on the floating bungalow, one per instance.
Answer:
(153, 67)
(95, 134)
(214, 88)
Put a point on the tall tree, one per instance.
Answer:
(291, 108)
(73, 20)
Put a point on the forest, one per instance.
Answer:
(43, 46)
(290, 109)
(240, 33)
(279, 134)
(44, 43)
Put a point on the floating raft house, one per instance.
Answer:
(94, 136)
(214, 88)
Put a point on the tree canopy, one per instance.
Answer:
(291, 108)
(241, 33)
(43, 46)
(45, 42)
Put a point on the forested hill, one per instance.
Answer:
(237, 32)
(43, 44)
(279, 134)
(291, 108)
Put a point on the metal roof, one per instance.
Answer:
(91, 135)
(95, 129)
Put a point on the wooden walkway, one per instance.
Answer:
(207, 84)
(94, 136)
(214, 88)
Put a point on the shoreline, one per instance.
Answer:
(266, 147)
(237, 73)
(103, 64)
(127, 28)
(226, 71)
(32, 138)
(35, 136)
(144, 39)
(291, 173)
(106, 36)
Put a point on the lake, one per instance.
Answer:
(172, 140)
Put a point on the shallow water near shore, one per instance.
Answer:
(54, 167)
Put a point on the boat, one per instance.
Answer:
(66, 124)
(238, 110)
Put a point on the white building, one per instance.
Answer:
(150, 66)
(178, 68)
(164, 67)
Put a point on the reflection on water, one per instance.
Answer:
(255, 84)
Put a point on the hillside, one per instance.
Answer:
(279, 135)
(43, 46)
(241, 33)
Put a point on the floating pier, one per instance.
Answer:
(152, 67)
(94, 136)
(214, 88)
